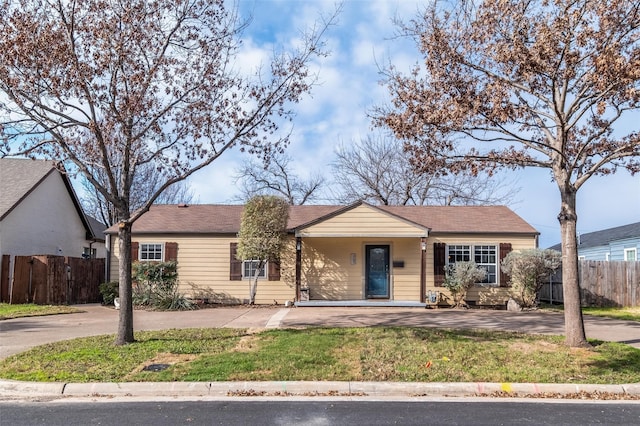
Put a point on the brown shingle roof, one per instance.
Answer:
(464, 219)
(225, 219)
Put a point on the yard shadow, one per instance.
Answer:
(22, 325)
(626, 361)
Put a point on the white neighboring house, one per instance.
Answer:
(40, 213)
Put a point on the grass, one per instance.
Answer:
(8, 311)
(356, 354)
(628, 314)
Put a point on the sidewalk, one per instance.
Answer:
(333, 390)
(21, 334)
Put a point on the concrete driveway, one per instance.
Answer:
(20, 334)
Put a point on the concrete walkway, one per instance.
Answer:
(18, 335)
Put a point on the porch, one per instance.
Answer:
(362, 303)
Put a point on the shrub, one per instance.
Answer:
(460, 277)
(156, 286)
(528, 270)
(109, 291)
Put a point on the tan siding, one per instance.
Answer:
(203, 271)
(328, 271)
(406, 280)
(203, 268)
(363, 221)
(487, 295)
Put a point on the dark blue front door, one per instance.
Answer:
(377, 272)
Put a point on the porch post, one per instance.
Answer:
(298, 266)
(423, 269)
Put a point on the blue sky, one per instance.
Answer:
(348, 86)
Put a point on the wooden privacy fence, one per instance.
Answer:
(602, 284)
(54, 280)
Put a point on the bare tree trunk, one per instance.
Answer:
(125, 324)
(254, 283)
(573, 322)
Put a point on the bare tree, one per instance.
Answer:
(378, 170)
(515, 83)
(275, 177)
(145, 184)
(116, 86)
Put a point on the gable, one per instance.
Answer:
(362, 221)
(19, 177)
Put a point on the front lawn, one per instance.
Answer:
(319, 354)
(8, 311)
(628, 313)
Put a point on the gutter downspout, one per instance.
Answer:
(423, 269)
(298, 266)
(107, 260)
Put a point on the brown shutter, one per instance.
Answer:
(505, 248)
(170, 252)
(274, 270)
(439, 262)
(235, 265)
(134, 251)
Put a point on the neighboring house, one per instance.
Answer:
(40, 213)
(619, 243)
(336, 254)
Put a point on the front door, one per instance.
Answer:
(377, 272)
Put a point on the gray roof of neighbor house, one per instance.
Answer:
(20, 176)
(97, 228)
(605, 236)
(225, 219)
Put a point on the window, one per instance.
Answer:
(631, 254)
(459, 253)
(88, 253)
(486, 256)
(249, 269)
(150, 253)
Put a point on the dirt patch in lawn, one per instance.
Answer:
(161, 359)
(246, 342)
(541, 346)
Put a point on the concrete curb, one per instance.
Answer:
(9, 388)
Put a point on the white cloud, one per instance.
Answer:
(336, 110)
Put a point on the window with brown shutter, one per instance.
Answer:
(170, 252)
(274, 270)
(134, 251)
(505, 248)
(235, 265)
(439, 262)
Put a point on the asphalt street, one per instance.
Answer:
(252, 412)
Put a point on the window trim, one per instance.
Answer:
(265, 270)
(140, 252)
(633, 250)
(493, 250)
(470, 250)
